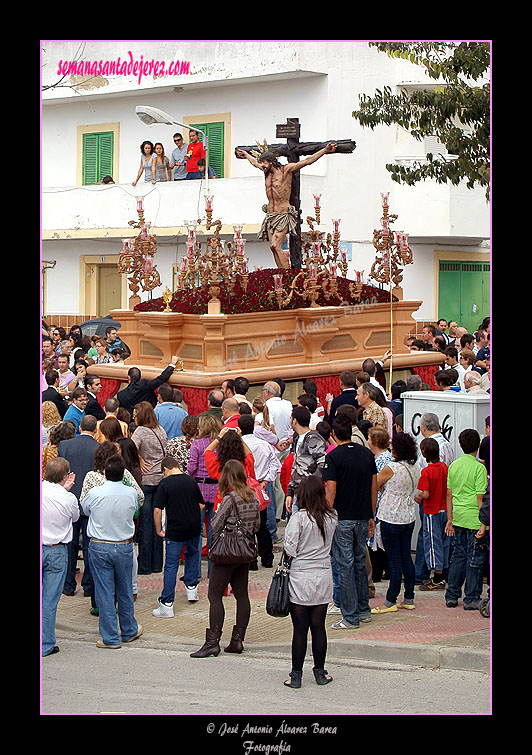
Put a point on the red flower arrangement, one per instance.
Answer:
(255, 299)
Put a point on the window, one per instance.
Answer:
(97, 152)
(97, 156)
(215, 136)
(217, 126)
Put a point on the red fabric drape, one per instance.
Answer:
(195, 399)
(328, 384)
(426, 373)
(109, 388)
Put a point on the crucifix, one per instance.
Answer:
(283, 212)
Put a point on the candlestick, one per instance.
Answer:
(333, 271)
(277, 279)
(208, 202)
(343, 255)
(313, 272)
(238, 231)
(317, 200)
(336, 223)
(385, 198)
(140, 204)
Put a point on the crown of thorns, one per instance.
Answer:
(261, 149)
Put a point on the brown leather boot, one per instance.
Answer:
(237, 639)
(211, 645)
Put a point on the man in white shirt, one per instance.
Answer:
(267, 467)
(59, 509)
(429, 425)
(110, 508)
(279, 409)
(369, 366)
(280, 412)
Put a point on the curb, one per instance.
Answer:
(427, 656)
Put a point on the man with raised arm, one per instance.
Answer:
(281, 216)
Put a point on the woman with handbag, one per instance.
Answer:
(396, 514)
(307, 539)
(233, 547)
(150, 440)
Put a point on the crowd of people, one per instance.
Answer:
(187, 161)
(137, 482)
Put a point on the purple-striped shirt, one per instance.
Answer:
(196, 468)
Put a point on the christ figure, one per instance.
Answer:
(281, 216)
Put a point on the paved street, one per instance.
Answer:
(429, 660)
(142, 679)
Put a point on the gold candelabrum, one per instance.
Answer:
(322, 258)
(136, 257)
(393, 252)
(219, 264)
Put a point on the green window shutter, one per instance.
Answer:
(215, 134)
(97, 156)
(90, 158)
(105, 164)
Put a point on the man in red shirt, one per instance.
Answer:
(230, 413)
(431, 493)
(195, 151)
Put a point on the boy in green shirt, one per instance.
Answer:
(466, 485)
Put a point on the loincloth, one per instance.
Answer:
(278, 221)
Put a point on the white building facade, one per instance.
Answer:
(248, 88)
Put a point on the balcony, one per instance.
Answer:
(103, 212)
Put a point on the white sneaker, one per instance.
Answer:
(192, 593)
(164, 611)
(343, 624)
(332, 608)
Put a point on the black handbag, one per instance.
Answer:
(278, 600)
(233, 546)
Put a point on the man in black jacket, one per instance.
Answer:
(93, 386)
(347, 395)
(140, 389)
(79, 452)
(52, 392)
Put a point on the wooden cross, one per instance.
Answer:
(293, 150)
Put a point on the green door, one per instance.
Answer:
(464, 292)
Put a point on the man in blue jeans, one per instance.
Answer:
(466, 485)
(351, 476)
(59, 509)
(110, 508)
(181, 499)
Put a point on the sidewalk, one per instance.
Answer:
(432, 635)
